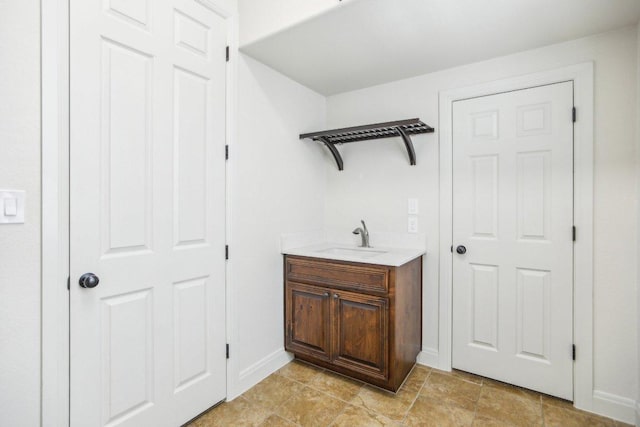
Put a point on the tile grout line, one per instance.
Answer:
(338, 415)
(269, 412)
(275, 409)
(325, 393)
(475, 407)
(362, 384)
(413, 402)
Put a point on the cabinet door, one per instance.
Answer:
(360, 327)
(308, 312)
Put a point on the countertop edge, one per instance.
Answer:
(393, 257)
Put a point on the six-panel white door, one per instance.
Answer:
(513, 213)
(147, 211)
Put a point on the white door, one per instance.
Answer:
(147, 210)
(513, 212)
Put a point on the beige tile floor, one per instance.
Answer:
(304, 395)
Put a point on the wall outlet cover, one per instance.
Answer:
(12, 206)
(412, 224)
(412, 206)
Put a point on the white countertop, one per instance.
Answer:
(393, 257)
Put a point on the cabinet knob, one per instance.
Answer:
(326, 294)
(336, 296)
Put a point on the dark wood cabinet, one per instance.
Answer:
(361, 320)
(361, 331)
(308, 320)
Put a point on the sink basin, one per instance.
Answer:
(354, 252)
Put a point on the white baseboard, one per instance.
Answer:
(260, 370)
(613, 406)
(429, 357)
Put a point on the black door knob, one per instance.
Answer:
(89, 280)
(461, 250)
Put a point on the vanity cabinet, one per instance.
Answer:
(361, 320)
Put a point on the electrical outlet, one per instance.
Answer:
(412, 206)
(12, 206)
(412, 224)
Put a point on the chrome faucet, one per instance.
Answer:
(364, 234)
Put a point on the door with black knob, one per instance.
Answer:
(147, 211)
(512, 223)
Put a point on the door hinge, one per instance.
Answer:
(574, 233)
(226, 251)
(573, 351)
(226, 152)
(227, 351)
(574, 114)
(68, 283)
(227, 53)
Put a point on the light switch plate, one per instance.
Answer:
(12, 206)
(412, 206)
(412, 224)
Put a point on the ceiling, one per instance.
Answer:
(369, 42)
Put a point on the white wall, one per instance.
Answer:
(277, 186)
(20, 244)
(377, 181)
(260, 18)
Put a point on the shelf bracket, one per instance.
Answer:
(334, 151)
(408, 144)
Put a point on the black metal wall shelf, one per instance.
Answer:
(401, 128)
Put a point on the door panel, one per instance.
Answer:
(533, 320)
(533, 192)
(190, 332)
(361, 331)
(190, 213)
(127, 333)
(126, 108)
(137, 12)
(485, 196)
(147, 99)
(308, 320)
(484, 305)
(513, 211)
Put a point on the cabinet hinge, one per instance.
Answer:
(226, 251)
(573, 352)
(574, 233)
(227, 351)
(574, 114)
(226, 152)
(227, 53)
(68, 283)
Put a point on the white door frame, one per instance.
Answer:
(583, 155)
(54, 392)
